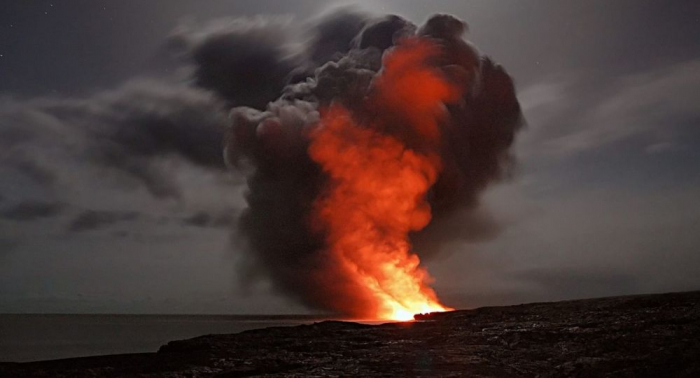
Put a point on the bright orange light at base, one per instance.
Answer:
(402, 314)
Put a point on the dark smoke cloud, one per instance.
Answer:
(283, 182)
(333, 35)
(92, 219)
(245, 61)
(29, 210)
(382, 33)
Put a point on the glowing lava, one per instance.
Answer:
(376, 194)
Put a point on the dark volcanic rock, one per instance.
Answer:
(636, 336)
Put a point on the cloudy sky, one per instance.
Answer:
(114, 195)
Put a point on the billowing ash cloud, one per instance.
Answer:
(333, 35)
(245, 61)
(340, 64)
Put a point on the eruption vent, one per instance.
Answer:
(350, 162)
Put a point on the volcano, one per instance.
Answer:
(633, 336)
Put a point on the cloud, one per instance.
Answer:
(221, 219)
(92, 220)
(32, 169)
(244, 60)
(579, 282)
(609, 240)
(6, 246)
(660, 147)
(332, 35)
(128, 131)
(32, 210)
(650, 106)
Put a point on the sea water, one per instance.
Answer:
(44, 337)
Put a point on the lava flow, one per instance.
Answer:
(380, 169)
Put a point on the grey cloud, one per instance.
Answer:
(381, 33)
(561, 282)
(332, 35)
(127, 130)
(221, 219)
(650, 106)
(36, 171)
(92, 219)
(245, 61)
(29, 210)
(660, 147)
(200, 219)
(588, 242)
(6, 246)
(540, 284)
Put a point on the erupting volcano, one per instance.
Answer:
(389, 130)
(377, 185)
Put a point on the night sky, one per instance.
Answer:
(114, 196)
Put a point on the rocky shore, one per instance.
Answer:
(633, 336)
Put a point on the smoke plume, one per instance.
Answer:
(382, 128)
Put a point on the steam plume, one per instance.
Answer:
(423, 91)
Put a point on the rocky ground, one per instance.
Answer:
(635, 336)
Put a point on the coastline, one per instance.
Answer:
(641, 335)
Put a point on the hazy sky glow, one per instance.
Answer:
(99, 213)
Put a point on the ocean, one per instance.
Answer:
(37, 337)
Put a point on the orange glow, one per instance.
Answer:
(377, 190)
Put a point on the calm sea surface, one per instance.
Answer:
(42, 337)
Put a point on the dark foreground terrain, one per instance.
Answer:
(636, 336)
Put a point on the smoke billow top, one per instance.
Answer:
(383, 137)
